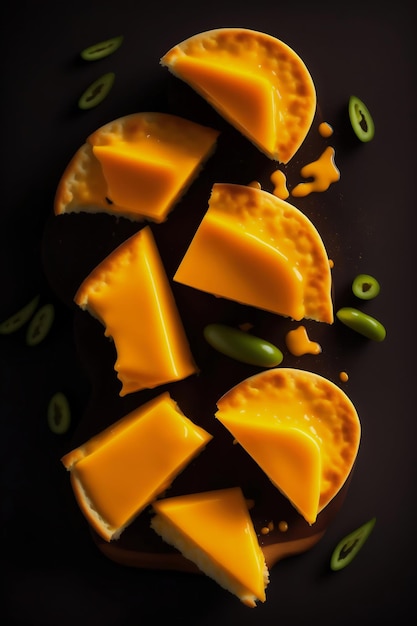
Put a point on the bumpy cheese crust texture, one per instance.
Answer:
(121, 470)
(255, 81)
(303, 417)
(137, 166)
(130, 294)
(214, 530)
(261, 251)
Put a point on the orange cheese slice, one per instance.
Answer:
(255, 81)
(215, 531)
(257, 249)
(137, 166)
(117, 473)
(300, 428)
(130, 294)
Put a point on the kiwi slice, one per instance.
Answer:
(18, 319)
(361, 120)
(349, 546)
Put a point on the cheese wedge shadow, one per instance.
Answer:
(130, 294)
(137, 166)
(215, 531)
(255, 81)
(258, 250)
(300, 428)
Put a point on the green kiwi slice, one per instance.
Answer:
(349, 546)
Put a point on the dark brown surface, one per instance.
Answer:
(55, 573)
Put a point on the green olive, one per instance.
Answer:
(362, 323)
(361, 120)
(59, 414)
(365, 287)
(242, 346)
(40, 324)
(349, 546)
(18, 319)
(102, 49)
(97, 91)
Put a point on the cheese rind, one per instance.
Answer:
(137, 166)
(130, 294)
(259, 250)
(255, 81)
(214, 530)
(117, 473)
(300, 428)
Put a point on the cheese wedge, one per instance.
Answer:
(137, 166)
(215, 531)
(255, 81)
(300, 428)
(130, 294)
(117, 473)
(259, 250)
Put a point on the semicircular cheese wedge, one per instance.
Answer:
(137, 166)
(255, 81)
(122, 469)
(130, 294)
(300, 428)
(215, 531)
(259, 250)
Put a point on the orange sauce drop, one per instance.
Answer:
(267, 529)
(245, 326)
(256, 184)
(299, 343)
(343, 377)
(323, 172)
(280, 185)
(283, 526)
(331, 263)
(325, 129)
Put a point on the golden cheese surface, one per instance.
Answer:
(122, 469)
(130, 294)
(137, 166)
(259, 250)
(300, 428)
(257, 82)
(215, 530)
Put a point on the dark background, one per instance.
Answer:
(53, 573)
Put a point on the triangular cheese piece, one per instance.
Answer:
(143, 185)
(300, 428)
(274, 99)
(130, 294)
(215, 531)
(247, 99)
(137, 166)
(119, 471)
(261, 251)
(289, 457)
